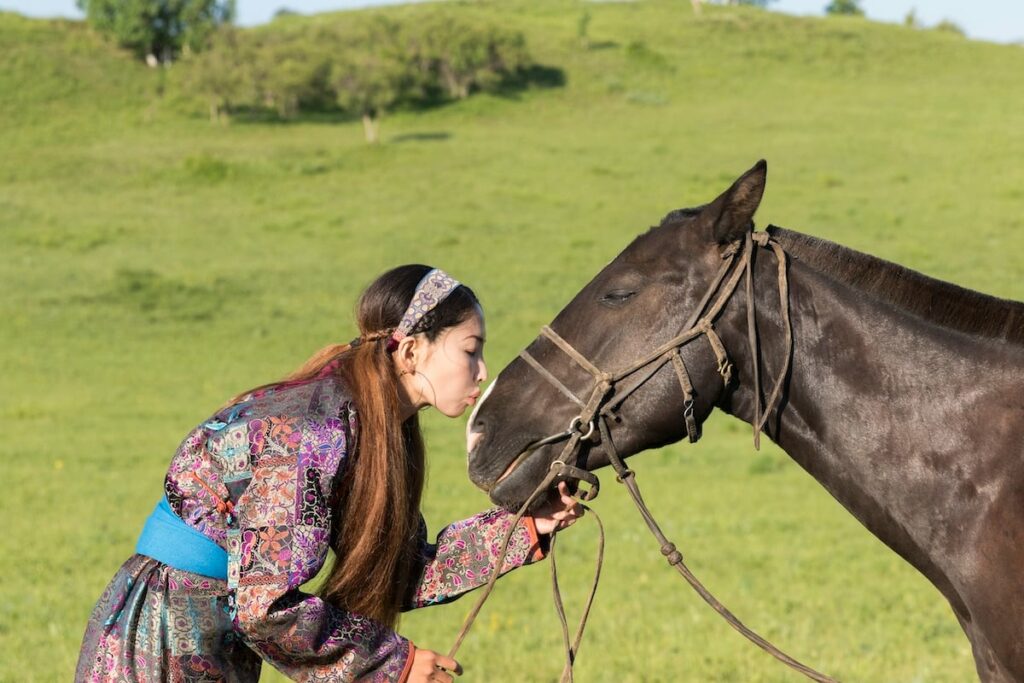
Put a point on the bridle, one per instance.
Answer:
(606, 397)
(604, 400)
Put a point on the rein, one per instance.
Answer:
(605, 399)
(558, 470)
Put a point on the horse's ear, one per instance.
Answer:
(730, 217)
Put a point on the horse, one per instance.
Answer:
(901, 394)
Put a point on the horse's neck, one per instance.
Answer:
(856, 360)
(875, 403)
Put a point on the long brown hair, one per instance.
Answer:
(376, 517)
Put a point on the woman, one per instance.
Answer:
(330, 457)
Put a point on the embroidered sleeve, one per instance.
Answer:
(280, 541)
(464, 553)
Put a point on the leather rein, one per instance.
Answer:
(605, 399)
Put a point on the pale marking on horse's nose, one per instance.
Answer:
(472, 418)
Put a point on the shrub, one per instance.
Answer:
(218, 74)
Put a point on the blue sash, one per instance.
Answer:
(167, 538)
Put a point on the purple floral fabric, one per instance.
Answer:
(274, 457)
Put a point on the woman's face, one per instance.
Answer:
(450, 369)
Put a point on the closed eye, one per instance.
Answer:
(617, 297)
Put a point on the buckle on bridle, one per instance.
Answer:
(577, 424)
(688, 408)
(579, 476)
(725, 370)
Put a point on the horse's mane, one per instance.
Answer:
(935, 301)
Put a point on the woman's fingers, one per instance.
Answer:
(449, 664)
(566, 498)
(559, 511)
(570, 511)
(433, 667)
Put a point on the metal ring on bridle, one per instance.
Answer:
(575, 425)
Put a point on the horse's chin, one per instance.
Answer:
(511, 494)
(513, 505)
(517, 486)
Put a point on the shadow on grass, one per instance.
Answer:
(534, 76)
(433, 136)
(266, 116)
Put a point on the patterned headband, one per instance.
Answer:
(430, 292)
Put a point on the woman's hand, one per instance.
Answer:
(558, 512)
(432, 667)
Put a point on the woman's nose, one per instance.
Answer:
(482, 374)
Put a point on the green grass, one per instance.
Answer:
(155, 264)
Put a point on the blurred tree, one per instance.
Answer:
(285, 12)
(292, 70)
(582, 28)
(218, 73)
(464, 58)
(376, 74)
(158, 29)
(911, 20)
(844, 7)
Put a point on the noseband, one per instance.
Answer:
(606, 397)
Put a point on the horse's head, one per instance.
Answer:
(638, 302)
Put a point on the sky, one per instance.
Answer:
(995, 20)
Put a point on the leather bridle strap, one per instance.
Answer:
(764, 239)
(552, 379)
(684, 381)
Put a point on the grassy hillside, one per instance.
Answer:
(155, 264)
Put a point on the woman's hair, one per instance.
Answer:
(375, 529)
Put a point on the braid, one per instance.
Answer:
(371, 337)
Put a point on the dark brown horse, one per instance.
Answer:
(904, 395)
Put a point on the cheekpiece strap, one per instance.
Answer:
(431, 291)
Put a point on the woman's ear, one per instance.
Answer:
(407, 355)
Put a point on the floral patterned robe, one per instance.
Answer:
(275, 456)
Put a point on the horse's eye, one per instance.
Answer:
(617, 297)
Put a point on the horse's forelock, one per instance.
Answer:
(680, 215)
